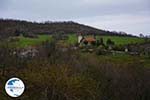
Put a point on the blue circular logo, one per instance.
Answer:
(14, 87)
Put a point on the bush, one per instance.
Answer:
(100, 50)
(85, 42)
(110, 42)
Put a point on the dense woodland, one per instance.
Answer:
(13, 27)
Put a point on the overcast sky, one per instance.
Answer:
(131, 16)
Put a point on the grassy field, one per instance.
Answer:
(118, 40)
(72, 38)
(123, 40)
(23, 41)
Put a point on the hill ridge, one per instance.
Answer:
(10, 26)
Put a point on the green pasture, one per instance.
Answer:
(72, 39)
(24, 41)
(117, 39)
(123, 40)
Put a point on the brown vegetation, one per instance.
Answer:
(58, 75)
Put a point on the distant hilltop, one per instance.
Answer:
(11, 26)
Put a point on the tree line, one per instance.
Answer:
(10, 27)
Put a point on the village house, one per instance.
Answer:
(82, 40)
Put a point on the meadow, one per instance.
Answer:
(117, 39)
(25, 41)
(72, 39)
(123, 40)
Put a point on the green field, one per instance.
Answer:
(118, 40)
(23, 41)
(123, 40)
(72, 38)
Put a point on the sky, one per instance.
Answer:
(130, 16)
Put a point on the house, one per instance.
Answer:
(82, 40)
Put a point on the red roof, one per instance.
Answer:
(89, 39)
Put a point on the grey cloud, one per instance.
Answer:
(130, 23)
(64, 9)
(41, 10)
(2, 4)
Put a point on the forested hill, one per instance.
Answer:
(11, 27)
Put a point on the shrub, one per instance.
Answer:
(110, 42)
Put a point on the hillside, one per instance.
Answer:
(13, 27)
(56, 67)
